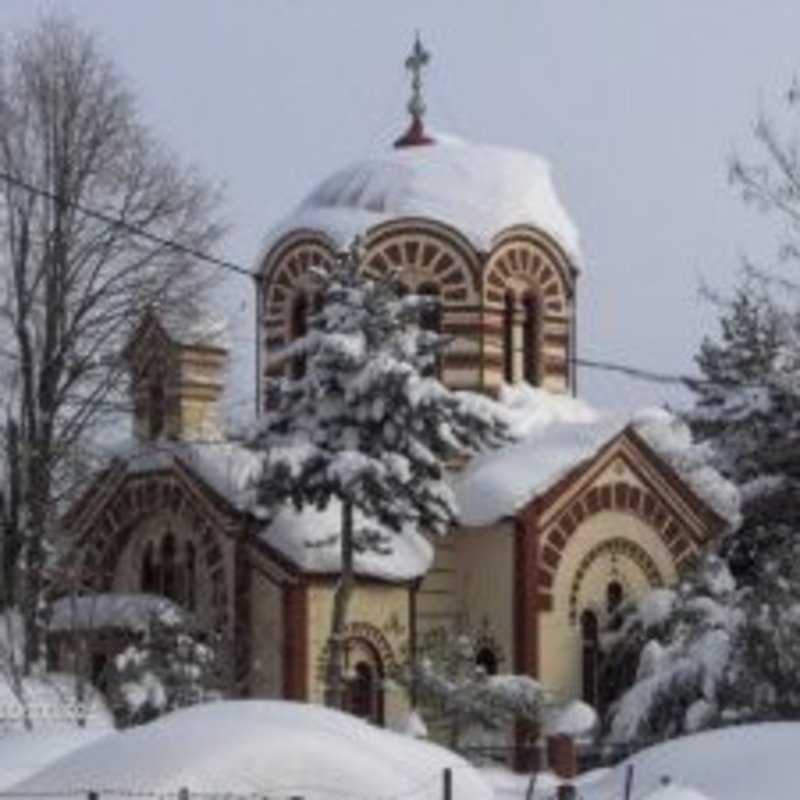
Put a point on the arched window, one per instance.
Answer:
(362, 690)
(530, 339)
(614, 596)
(298, 329)
(430, 319)
(156, 415)
(508, 337)
(191, 576)
(169, 575)
(591, 656)
(149, 574)
(487, 661)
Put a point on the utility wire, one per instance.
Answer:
(130, 227)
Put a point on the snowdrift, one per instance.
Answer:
(265, 747)
(748, 762)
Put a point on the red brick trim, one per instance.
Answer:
(526, 595)
(295, 642)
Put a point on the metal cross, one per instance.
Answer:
(418, 59)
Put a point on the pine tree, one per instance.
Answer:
(748, 412)
(367, 424)
(458, 693)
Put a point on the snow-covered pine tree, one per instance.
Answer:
(747, 408)
(463, 698)
(367, 424)
(170, 665)
(682, 640)
(765, 663)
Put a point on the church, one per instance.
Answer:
(584, 511)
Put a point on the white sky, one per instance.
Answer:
(638, 104)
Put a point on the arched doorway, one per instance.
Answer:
(364, 675)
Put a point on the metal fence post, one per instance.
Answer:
(628, 782)
(447, 784)
(183, 793)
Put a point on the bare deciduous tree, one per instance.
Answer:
(72, 285)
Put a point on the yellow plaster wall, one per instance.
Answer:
(266, 638)
(384, 606)
(560, 642)
(485, 580)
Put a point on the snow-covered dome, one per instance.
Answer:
(480, 190)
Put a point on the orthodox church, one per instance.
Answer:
(584, 511)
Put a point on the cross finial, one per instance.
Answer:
(415, 63)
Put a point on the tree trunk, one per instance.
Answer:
(334, 677)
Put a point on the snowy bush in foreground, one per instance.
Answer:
(474, 708)
(685, 641)
(171, 666)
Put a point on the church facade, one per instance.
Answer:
(557, 532)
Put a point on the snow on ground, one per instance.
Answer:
(24, 753)
(748, 762)
(478, 189)
(557, 433)
(273, 748)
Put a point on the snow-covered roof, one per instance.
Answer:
(310, 540)
(227, 467)
(261, 748)
(307, 539)
(558, 433)
(206, 328)
(132, 612)
(480, 190)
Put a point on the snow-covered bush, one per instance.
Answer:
(171, 665)
(684, 641)
(472, 707)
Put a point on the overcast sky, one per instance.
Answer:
(638, 105)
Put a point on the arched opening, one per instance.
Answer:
(298, 327)
(191, 576)
(530, 339)
(156, 410)
(614, 596)
(487, 661)
(591, 656)
(149, 572)
(362, 689)
(430, 319)
(508, 337)
(169, 576)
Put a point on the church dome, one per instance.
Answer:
(480, 190)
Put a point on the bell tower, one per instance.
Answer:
(176, 382)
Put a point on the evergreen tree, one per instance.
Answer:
(681, 641)
(170, 665)
(748, 412)
(458, 693)
(364, 422)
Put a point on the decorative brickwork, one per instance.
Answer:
(624, 498)
(137, 500)
(614, 548)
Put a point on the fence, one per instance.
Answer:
(443, 779)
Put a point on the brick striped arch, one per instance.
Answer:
(138, 499)
(525, 266)
(425, 253)
(287, 272)
(622, 497)
(618, 547)
(526, 257)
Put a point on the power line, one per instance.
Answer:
(119, 222)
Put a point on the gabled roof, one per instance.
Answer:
(559, 436)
